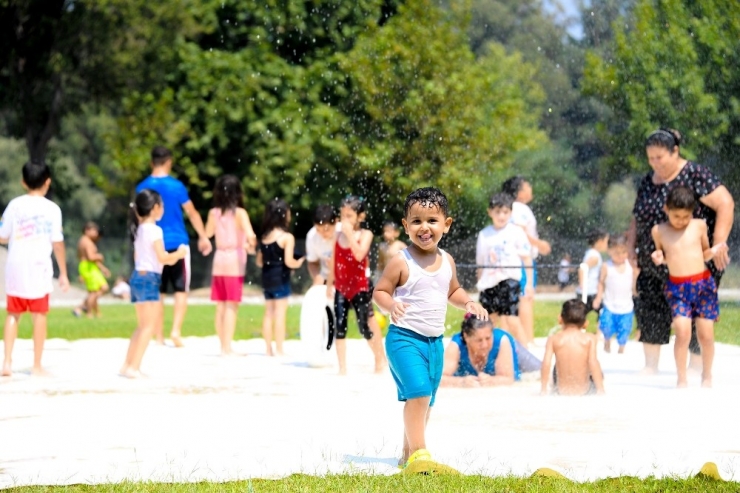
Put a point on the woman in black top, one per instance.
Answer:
(716, 207)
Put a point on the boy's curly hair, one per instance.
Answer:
(427, 197)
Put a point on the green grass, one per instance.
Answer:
(409, 483)
(120, 320)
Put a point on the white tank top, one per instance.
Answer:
(592, 279)
(426, 293)
(618, 289)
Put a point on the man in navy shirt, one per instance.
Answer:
(176, 200)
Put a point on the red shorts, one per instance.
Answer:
(226, 288)
(21, 305)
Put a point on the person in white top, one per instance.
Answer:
(564, 271)
(415, 288)
(149, 260)
(614, 295)
(522, 216)
(598, 241)
(320, 241)
(504, 247)
(32, 227)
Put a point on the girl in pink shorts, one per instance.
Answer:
(229, 222)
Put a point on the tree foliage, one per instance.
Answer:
(675, 66)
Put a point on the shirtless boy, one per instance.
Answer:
(577, 371)
(683, 244)
(92, 271)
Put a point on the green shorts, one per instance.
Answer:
(92, 276)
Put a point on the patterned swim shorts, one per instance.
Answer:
(693, 296)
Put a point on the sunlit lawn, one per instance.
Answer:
(409, 483)
(120, 320)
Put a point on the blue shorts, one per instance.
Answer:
(278, 292)
(145, 286)
(415, 361)
(693, 296)
(523, 281)
(615, 324)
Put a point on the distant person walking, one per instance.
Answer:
(176, 200)
(716, 207)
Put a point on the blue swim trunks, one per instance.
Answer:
(693, 296)
(416, 363)
(615, 324)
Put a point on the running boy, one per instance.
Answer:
(683, 244)
(320, 243)
(577, 370)
(32, 227)
(414, 289)
(505, 248)
(92, 271)
(615, 295)
(176, 200)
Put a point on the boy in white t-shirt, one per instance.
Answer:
(320, 242)
(505, 248)
(32, 227)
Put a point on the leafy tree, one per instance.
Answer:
(57, 54)
(675, 66)
(430, 113)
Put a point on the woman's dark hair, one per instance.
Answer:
(470, 324)
(276, 216)
(501, 199)
(574, 313)
(324, 214)
(681, 198)
(227, 194)
(596, 235)
(513, 185)
(666, 138)
(353, 202)
(140, 208)
(427, 197)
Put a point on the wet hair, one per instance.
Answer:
(596, 235)
(160, 155)
(470, 324)
(574, 313)
(513, 185)
(276, 216)
(227, 194)
(666, 138)
(354, 202)
(391, 223)
(617, 240)
(681, 198)
(324, 214)
(140, 208)
(91, 225)
(501, 199)
(427, 197)
(35, 174)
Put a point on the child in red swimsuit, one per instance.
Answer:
(349, 274)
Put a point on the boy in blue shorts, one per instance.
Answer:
(176, 201)
(414, 289)
(682, 243)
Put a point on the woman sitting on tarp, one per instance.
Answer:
(481, 356)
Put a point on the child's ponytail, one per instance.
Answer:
(140, 208)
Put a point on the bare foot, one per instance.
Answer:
(342, 372)
(380, 368)
(40, 372)
(607, 346)
(621, 350)
(649, 370)
(682, 384)
(176, 340)
(131, 373)
(706, 381)
(7, 372)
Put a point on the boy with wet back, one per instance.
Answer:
(682, 243)
(577, 370)
(414, 289)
